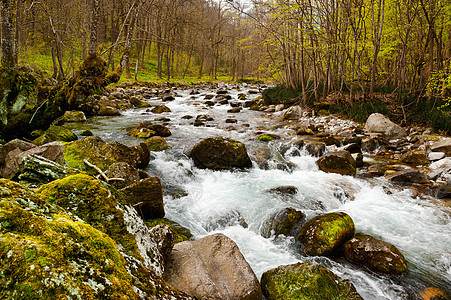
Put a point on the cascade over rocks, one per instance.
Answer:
(326, 234)
(379, 124)
(212, 268)
(306, 281)
(340, 162)
(220, 153)
(375, 254)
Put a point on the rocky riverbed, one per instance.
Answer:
(261, 201)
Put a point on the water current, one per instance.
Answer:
(237, 204)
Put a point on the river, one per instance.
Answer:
(237, 203)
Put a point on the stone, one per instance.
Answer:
(160, 109)
(443, 192)
(160, 130)
(124, 171)
(13, 145)
(35, 169)
(306, 281)
(74, 116)
(60, 133)
(287, 222)
(284, 190)
(433, 293)
(315, 148)
(212, 268)
(157, 143)
(439, 168)
(434, 156)
(220, 153)
(234, 110)
(408, 176)
(368, 145)
(144, 155)
(340, 162)
(352, 148)
(375, 170)
(326, 234)
(181, 233)
(444, 145)
(267, 137)
(142, 133)
(292, 113)
(139, 103)
(108, 111)
(379, 124)
(146, 196)
(86, 132)
(99, 153)
(415, 157)
(375, 254)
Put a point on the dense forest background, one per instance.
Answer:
(392, 56)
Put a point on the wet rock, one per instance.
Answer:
(443, 145)
(144, 155)
(157, 143)
(167, 97)
(124, 171)
(229, 219)
(59, 133)
(231, 121)
(440, 168)
(340, 162)
(326, 234)
(267, 137)
(209, 103)
(139, 103)
(306, 281)
(315, 148)
(379, 124)
(368, 145)
(287, 222)
(220, 153)
(86, 132)
(142, 133)
(292, 113)
(352, 148)
(160, 130)
(181, 233)
(234, 110)
(305, 131)
(73, 116)
(284, 190)
(146, 196)
(375, 254)
(443, 192)
(187, 117)
(212, 268)
(160, 109)
(415, 157)
(376, 170)
(408, 176)
(108, 111)
(100, 153)
(164, 238)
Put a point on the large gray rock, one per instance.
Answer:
(440, 168)
(380, 124)
(292, 113)
(36, 169)
(212, 268)
(443, 145)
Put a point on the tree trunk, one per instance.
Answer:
(93, 30)
(8, 60)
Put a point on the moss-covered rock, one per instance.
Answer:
(340, 162)
(326, 234)
(375, 254)
(48, 254)
(60, 133)
(181, 233)
(160, 109)
(287, 222)
(157, 143)
(306, 281)
(100, 153)
(220, 153)
(267, 137)
(86, 132)
(142, 133)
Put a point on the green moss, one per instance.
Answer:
(47, 254)
(306, 281)
(265, 138)
(157, 143)
(181, 233)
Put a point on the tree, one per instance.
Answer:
(8, 41)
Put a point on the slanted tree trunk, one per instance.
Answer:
(8, 60)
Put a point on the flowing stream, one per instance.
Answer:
(237, 203)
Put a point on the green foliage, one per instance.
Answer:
(281, 95)
(360, 111)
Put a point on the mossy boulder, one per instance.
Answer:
(287, 222)
(220, 153)
(415, 157)
(100, 153)
(122, 170)
(142, 133)
(46, 253)
(375, 254)
(160, 109)
(340, 162)
(267, 137)
(107, 210)
(157, 143)
(326, 234)
(72, 116)
(139, 103)
(60, 133)
(306, 281)
(181, 233)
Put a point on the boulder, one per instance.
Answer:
(444, 145)
(99, 153)
(287, 222)
(13, 145)
(315, 148)
(138, 102)
(379, 124)
(340, 162)
(284, 190)
(86, 132)
(220, 153)
(326, 234)
(267, 137)
(73, 116)
(375, 254)
(160, 109)
(160, 130)
(156, 143)
(181, 233)
(108, 111)
(122, 170)
(306, 281)
(144, 155)
(146, 196)
(408, 176)
(212, 268)
(35, 169)
(439, 168)
(142, 133)
(60, 133)
(292, 113)
(415, 157)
